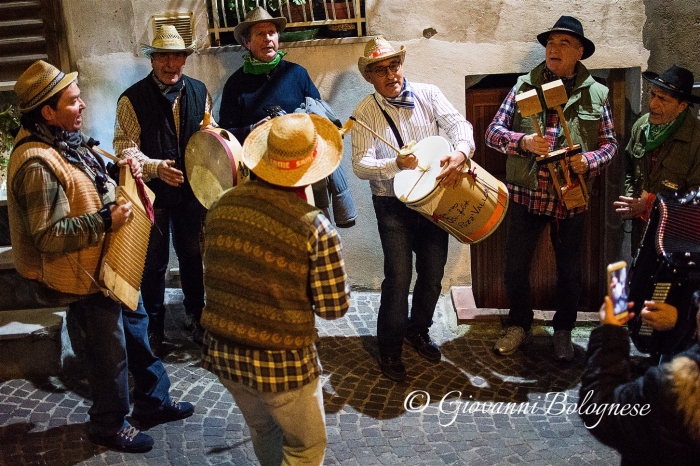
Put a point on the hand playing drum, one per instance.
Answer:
(452, 169)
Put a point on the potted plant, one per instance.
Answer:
(9, 123)
(335, 10)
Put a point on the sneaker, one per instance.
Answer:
(513, 338)
(393, 368)
(127, 440)
(155, 340)
(173, 411)
(197, 332)
(425, 346)
(563, 348)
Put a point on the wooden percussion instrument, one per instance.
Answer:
(124, 251)
(470, 212)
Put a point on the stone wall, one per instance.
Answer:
(468, 40)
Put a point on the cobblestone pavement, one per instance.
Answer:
(472, 408)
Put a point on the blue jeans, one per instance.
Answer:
(522, 235)
(287, 428)
(116, 343)
(185, 220)
(402, 232)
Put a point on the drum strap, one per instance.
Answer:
(392, 125)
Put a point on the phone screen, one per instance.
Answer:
(617, 287)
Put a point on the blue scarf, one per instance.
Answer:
(405, 99)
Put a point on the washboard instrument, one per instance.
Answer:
(124, 252)
(666, 268)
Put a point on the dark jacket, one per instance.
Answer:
(669, 433)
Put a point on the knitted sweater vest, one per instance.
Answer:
(69, 272)
(257, 268)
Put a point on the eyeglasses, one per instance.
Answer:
(382, 71)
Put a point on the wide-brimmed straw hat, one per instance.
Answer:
(677, 79)
(569, 25)
(292, 150)
(253, 17)
(40, 82)
(376, 50)
(167, 39)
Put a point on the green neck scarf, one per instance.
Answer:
(657, 134)
(253, 66)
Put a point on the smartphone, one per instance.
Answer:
(617, 287)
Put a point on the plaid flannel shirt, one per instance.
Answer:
(282, 370)
(127, 134)
(544, 201)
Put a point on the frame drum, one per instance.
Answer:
(470, 212)
(213, 163)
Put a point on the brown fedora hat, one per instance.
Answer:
(40, 82)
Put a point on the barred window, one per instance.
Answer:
(306, 19)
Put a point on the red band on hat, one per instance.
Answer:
(381, 51)
(292, 164)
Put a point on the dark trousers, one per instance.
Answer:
(185, 222)
(523, 233)
(116, 343)
(403, 232)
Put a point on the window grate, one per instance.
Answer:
(183, 22)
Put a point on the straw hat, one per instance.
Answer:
(569, 25)
(40, 82)
(253, 17)
(676, 79)
(292, 150)
(376, 50)
(167, 39)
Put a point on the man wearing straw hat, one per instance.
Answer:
(155, 119)
(274, 262)
(400, 111)
(534, 202)
(61, 202)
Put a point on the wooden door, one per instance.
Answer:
(487, 256)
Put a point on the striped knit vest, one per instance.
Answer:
(70, 272)
(257, 268)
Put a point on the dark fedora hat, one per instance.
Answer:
(677, 79)
(569, 25)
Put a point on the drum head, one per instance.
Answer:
(413, 185)
(212, 160)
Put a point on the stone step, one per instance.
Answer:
(32, 342)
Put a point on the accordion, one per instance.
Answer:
(667, 269)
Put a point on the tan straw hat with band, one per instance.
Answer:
(167, 40)
(255, 16)
(379, 49)
(40, 82)
(293, 150)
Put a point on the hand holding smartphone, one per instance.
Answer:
(617, 288)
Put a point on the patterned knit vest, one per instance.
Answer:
(257, 268)
(70, 272)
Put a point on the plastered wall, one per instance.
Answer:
(468, 40)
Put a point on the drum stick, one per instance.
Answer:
(398, 151)
(105, 154)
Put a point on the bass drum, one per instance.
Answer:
(213, 163)
(470, 212)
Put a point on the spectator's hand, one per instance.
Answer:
(660, 316)
(136, 166)
(170, 174)
(631, 207)
(535, 144)
(407, 162)
(579, 164)
(121, 214)
(452, 165)
(607, 314)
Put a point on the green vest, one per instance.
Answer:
(257, 268)
(583, 112)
